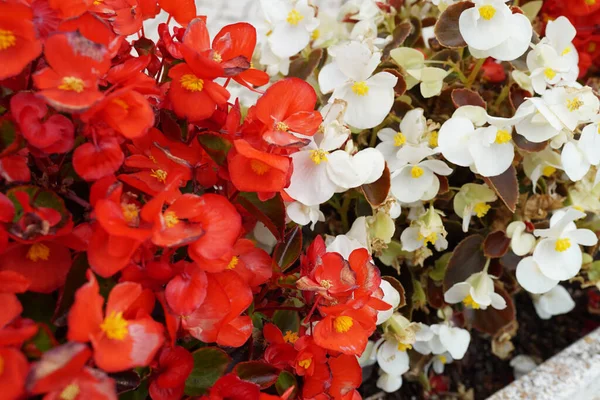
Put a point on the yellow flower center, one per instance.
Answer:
(318, 156)
(192, 83)
(171, 219)
(217, 56)
(259, 167)
(281, 126)
(233, 262)
(360, 88)
(71, 83)
(433, 139)
(503, 136)
(443, 359)
(326, 283)
(399, 139)
(98, 2)
(7, 39)
(549, 73)
(342, 324)
(159, 174)
(404, 347)
(469, 302)
(548, 170)
(130, 212)
(294, 17)
(290, 337)
(590, 2)
(562, 244)
(591, 47)
(431, 238)
(481, 209)
(70, 392)
(38, 251)
(487, 12)
(566, 51)
(315, 34)
(305, 363)
(121, 104)
(574, 104)
(416, 172)
(115, 326)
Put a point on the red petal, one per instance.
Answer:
(12, 380)
(85, 315)
(94, 162)
(186, 292)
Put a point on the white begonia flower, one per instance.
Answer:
(542, 163)
(389, 383)
(555, 302)
(522, 365)
(578, 156)
(549, 68)
(391, 359)
(531, 277)
(492, 30)
(275, 64)
(366, 31)
(428, 340)
(428, 228)
(455, 340)
(369, 356)
(585, 194)
(438, 362)
(401, 331)
(536, 126)
(292, 23)
(567, 107)
(361, 10)
(390, 296)
(558, 254)
(412, 62)
(408, 145)
(329, 31)
(356, 238)
(472, 200)
(304, 215)
(476, 292)
(523, 80)
(418, 181)
(349, 76)
(521, 242)
(559, 35)
(488, 151)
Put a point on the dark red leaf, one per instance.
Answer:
(496, 244)
(446, 29)
(467, 259)
(506, 187)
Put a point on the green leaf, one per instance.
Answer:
(594, 271)
(257, 320)
(285, 381)
(210, 363)
(258, 372)
(141, 393)
(8, 134)
(270, 212)
(288, 251)
(39, 198)
(532, 9)
(439, 270)
(287, 320)
(216, 147)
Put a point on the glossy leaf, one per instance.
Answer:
(210, 363)
(288, 250)
(377, 192)
(491, 321)
(270, 212)
(258, 372)
(466, 260)
(506, 187)
(285, 381)
(496, 244)
(303, 67)
(466, 97)
(446, 29)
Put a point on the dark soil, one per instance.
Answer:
(485, 373)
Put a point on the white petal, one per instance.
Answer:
(557, 301)
(560, 32)
(410, 239)
(573, 162)
(456, 340)
(584, 237)
(340, 169)
(331, 77)
(287, 39)
(413, 125)
(344, 246)
(356, 60)
(369, 164)
(484, 34)
(424, 333)
(531, 278)
(408, 189)
(518, 41)
(481, 288)
(522, 244)
(392, 360)
(590, 143)
(558, 265)
(409, 154)
(453, 137)
(492, 160)
(366, 358)
(298, 213)
(386, 135)
(310, 183)
(369, 110)
(389, 383)
(437, 166)
(498, 301)
(457, 293)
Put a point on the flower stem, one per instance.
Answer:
(474, 72)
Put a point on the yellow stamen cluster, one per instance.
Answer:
(7, 39)
(233, 263)
(290, 337)
(562, 245)
(294, 17)
(192, 83)
(171, 219)
(433, 139)
(318, 156)
(469, 302)
(431, 238)
(38, 251)
(404, 347)
(159, 174)
(399, 139)
(130, 212)
(315, 34)
(342, 324)
(548, 170)
(590, 2)
(549, 73)
(481, 209)
(326, 283)
(72, 84)
(487, 12)
(70, 392)
(305, 363)
(503, 136)
(282, 126)
(574, 104)
(217, 56)
(416, 172)
(360, 88)
(115, 326)
(259, 167)
(443, 359)
(566, 51)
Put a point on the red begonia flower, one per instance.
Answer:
(231, 387)
(183, 11)
(280, 352)
(174, 366)
(119, 344)
(346, 377)
(94, 161)
(187, 290)
(13, 371)
(19, 45)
